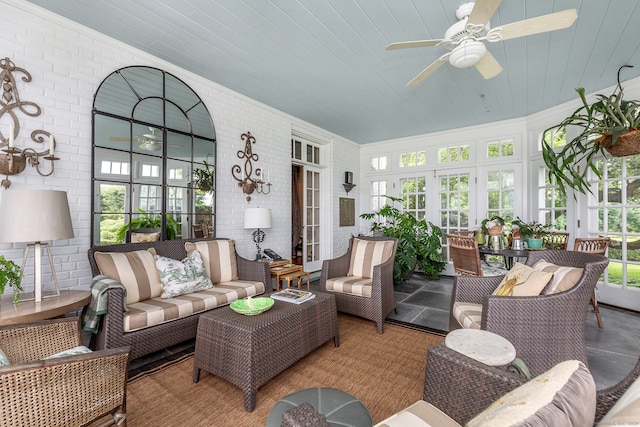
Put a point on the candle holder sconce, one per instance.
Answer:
(247, 180)
(348, 182)
(13, 160)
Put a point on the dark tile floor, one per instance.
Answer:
(612, 351)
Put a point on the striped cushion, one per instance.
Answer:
(467, 314)
(158, 310)
(564, 278)
(365, 254)
(135, 270)
(350, 285)
(420, 414)
(219, 258)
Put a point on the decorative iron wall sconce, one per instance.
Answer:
(245, 175)
(348, 182)
(14, 160)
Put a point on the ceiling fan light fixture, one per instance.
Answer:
(467, 54)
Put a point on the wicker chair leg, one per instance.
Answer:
(380, 324)
(596, 309)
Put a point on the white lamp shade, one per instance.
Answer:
(34, 216)
(257, 218)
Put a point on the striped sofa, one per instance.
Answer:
(139, 317)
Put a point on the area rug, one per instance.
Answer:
(386, 372)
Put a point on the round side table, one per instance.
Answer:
(339, 408)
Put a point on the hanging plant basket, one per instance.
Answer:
(627, 144)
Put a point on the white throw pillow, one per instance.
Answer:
(182, 277)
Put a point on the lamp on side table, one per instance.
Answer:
(35, 216)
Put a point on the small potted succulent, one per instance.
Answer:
(10, 276)
(532, 232)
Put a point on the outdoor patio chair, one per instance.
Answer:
(466, 257)
(362, 279)
(65, 391)
(544, 329)
(594, 245)
(555, 240)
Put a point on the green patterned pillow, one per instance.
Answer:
(71, 352)
(4, 360)
(182, 277)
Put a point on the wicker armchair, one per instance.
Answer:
(68, 391)
(544, 329)
(594, 245)
(556, 240)
(351, 291)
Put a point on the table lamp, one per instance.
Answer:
(257, 218)
(35, 216)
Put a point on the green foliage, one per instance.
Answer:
(204, 177)
(532, 229)
(147, 220)
(10, 275)
(609, 115)
(419, 242)
(495, 219)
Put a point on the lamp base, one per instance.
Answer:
(37, 287)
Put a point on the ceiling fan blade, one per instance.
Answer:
(540, 24)
(489, 66)
(430, 69)
(415, 43)
(482, 12)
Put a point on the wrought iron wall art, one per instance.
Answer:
(248, 179)
(14, 159)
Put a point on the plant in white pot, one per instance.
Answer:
(608, 126)
(10, 276)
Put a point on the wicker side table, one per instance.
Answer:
(248, 351)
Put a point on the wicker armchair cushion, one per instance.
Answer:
(626, 410)
(135, 270)
(365, 254)
(353, 285)
(564, 278)
(182, 277)
(468, 315)
(565, 395)
(523, 280)
(219, 258)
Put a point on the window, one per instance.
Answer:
(500, 194)
(500, 148)
(556, 138)
(453, 154)
(454, 202)
(150, 131)
(414, 198)
(312, 152)
(417, 158)
(379, 163)
(553, 206)
(378, 193)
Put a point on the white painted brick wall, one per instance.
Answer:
(67, 63)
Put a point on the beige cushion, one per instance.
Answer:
(365, 254)
(420, 414)
(563, 396)
(145, 237)
(468, 315)
(626, 411)
(135, 270)
(522, 280)
(564, 278)
(219, 258)
(350, 285)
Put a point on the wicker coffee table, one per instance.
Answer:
(248, 351)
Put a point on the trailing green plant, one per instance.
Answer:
(419, 241)
(204, 177)
(10, 276)
(147, 220)
(609, 116)
(531, 229)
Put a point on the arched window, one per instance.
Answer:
(150, 132)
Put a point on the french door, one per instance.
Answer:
(311, 254)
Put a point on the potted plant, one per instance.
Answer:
(419, 241)
(147, 220)
(608, 125)
(204, 177)
(532, 232)
(492, 226)
(10, 276)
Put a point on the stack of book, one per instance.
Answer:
(295, 296)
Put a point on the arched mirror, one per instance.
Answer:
(153, 141)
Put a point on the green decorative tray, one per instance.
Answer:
(252, 306)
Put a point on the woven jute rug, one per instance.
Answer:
(386, 372)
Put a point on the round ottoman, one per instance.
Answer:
(338, 407)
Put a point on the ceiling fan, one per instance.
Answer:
(465, 38)
(149, 141)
